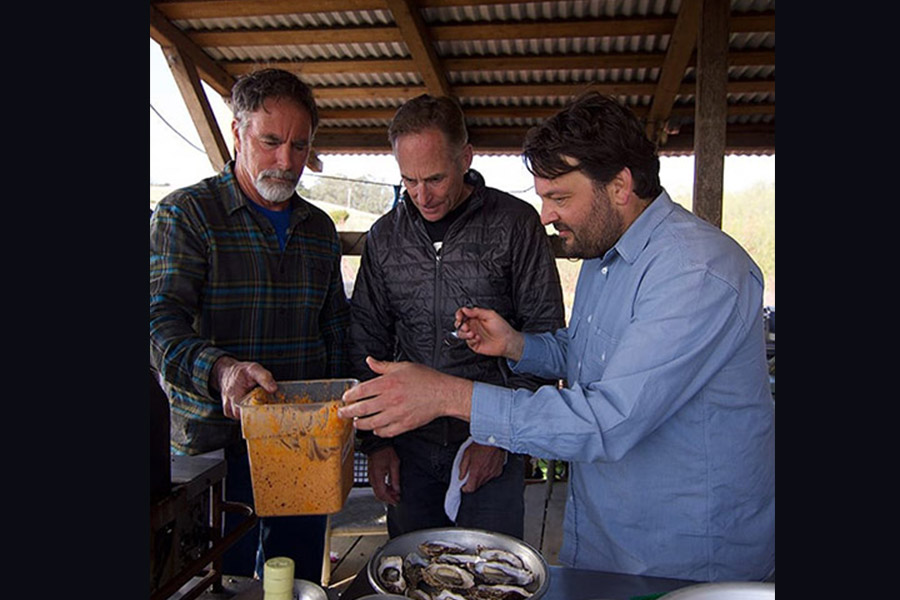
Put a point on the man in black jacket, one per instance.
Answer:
(450, 242)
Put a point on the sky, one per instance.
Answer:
(177, 157)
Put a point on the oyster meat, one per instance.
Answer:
(498, 592)
(498, 555)
(463, 560)
(497, 572)
(443, 576)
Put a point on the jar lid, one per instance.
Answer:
(278, 574)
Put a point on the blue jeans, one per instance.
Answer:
(498, 505)
(299, 538)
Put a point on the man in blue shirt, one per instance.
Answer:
(667, 417)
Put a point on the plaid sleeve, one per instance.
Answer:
(177, 274)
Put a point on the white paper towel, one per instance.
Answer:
(451, 500)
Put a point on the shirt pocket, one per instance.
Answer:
(597, 348)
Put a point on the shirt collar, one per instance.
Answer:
(636, 237)
(238, 199)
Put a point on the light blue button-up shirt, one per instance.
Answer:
(667, 418)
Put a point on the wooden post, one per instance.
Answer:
(188, 81)
(711, 110)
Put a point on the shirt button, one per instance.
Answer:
(604, 270)
(492, 439)
(589, 318)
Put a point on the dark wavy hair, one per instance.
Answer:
(603, 136)
(426, 112)
(250, 91)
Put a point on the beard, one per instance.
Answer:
(276, 185)
(600, 231)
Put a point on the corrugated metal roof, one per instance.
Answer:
(497, 57)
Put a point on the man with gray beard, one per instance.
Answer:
(246, 290)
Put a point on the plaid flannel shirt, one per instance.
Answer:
(220, 285)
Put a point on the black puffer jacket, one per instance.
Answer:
(495, 255)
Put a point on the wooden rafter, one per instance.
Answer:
(421, 48)
(547, 62)
(562, 90)
(758, 139)
(678, 54)
(166, 34)
(188, 82)
(528, 112)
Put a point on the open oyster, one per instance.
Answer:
(442, 576)
(497, 572)
(390, 571)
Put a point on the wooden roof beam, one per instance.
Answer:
(740, 139)
(409, 20)
(547, 62)
(529, 112)
(612, 88)
(678, 54)
(188, 82)
(166, 34)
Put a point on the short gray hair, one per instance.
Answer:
(252, 90)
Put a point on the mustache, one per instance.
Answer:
(284, 174)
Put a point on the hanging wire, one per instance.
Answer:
(190, 143)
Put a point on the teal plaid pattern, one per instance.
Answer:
(221, 285)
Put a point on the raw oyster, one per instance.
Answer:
(417, 594)
(497, 572)
(498, 592)
(463, 560)
(442, 575)
(437, 547)
(390, 572)
(496, 554)
(448, 595)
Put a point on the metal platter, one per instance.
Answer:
(724, 591)
(307, 590)
(470, 539)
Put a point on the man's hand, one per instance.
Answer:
(234, 379)
(486, 332)
(384, 475)
(405, 397)
(482, 463)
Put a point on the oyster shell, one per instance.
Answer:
(417, 594)
(442, 576)
(390, 572)
(497, 572)
(463, 560)
(437, 547)
(498, 592)
(413, 565)
(499, 555)
(448, 595)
